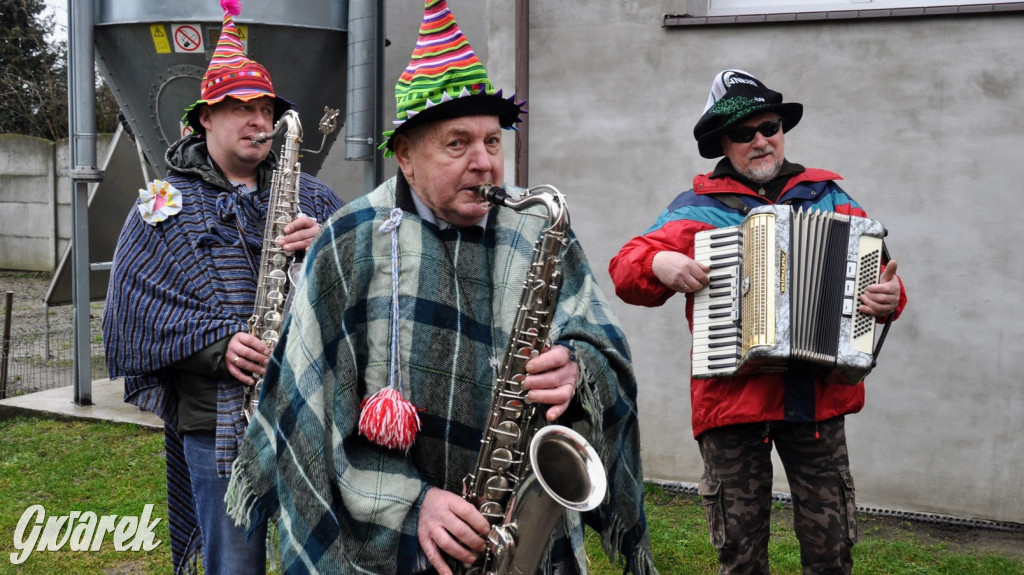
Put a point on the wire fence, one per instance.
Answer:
(37, 346)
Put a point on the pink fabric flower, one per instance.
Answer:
(158, 201)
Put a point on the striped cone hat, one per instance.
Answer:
(445, 79)
(232, 74)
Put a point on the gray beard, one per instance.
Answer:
(762, 175)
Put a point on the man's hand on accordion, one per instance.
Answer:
(680, 272)
(882, 298)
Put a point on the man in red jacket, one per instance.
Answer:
(737, 419)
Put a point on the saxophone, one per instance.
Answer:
(527, 473)
(277, 266)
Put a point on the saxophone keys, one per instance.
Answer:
(502, 542)
(270, 337)
(515, 383)
(273, 320)
(275, 298)
(507, 433)
(496, 489)
(501, 461)
(526, 351)
(512, 408)
(492, 511)
(277, 277)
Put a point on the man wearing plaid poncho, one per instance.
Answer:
(410, 293)
(346, 505)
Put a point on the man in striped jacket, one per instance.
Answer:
(182, 288)
(737, 419)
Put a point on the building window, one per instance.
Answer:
(753, 11)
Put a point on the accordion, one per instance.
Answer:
(785, 294)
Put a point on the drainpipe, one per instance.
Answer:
(364, 110)
(523, 91)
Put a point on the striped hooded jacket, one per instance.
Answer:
(180, 286)
(754, 398)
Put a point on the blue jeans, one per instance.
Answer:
(225, 548)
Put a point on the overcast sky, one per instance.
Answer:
(59, 10)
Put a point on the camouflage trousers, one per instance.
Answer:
(737, 488)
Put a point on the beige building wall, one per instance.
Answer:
(922, 117)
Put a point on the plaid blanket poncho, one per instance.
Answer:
(178, 287)
(345, 505)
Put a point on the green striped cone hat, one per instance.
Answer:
(445, 79)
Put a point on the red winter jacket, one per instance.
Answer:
(753, 398)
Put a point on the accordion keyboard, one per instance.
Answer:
(717, 339)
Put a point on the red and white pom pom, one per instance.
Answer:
(233, 7)
(389, 420)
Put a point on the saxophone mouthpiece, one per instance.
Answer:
(260, 138)
(492, 194)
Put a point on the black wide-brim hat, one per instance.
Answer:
(736, 96)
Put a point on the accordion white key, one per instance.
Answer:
(785, 291)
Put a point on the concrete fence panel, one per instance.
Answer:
(35, 201)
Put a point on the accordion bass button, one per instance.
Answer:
(746, 285)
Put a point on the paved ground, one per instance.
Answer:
(107, 405)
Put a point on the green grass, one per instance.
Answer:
(65, 466)
(114, 469)
(681, 546)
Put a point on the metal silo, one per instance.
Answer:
(153, 54)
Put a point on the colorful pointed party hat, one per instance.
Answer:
(232, 73)
(445, 79)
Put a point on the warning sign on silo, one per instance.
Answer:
(160, 41)
(187, 38)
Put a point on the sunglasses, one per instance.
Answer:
(746, 133)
